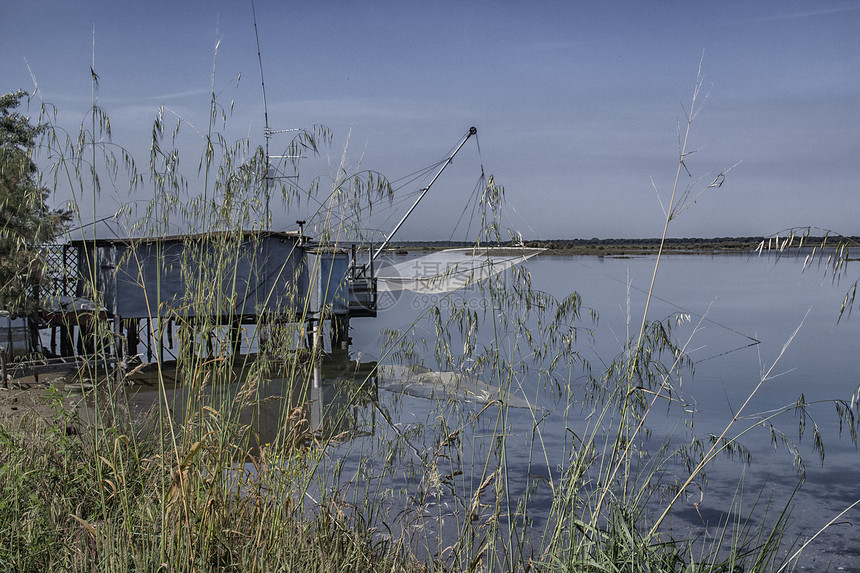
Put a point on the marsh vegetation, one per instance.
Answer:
(194, 485)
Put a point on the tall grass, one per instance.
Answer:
(194, 486)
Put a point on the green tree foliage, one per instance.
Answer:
(25, 218)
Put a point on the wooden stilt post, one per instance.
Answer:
(132, 337)
(149, 340)
(317, 337)
(263, 335)
(118, 350)
(160, 332)
(309, 334)
(67, 346)
(236, 336)
(3, 365)
(339, 332)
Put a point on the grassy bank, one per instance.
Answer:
(95, 488)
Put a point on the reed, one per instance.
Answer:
(193, 486)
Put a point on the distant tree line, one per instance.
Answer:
(622, 246)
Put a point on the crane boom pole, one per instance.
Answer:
(472, 131)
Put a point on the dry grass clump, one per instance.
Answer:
(98, 499)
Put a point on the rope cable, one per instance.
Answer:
(474, 199)
(753, 341)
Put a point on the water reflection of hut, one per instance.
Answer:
(330, 399)
(144, 286)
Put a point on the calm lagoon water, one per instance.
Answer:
(742, 310)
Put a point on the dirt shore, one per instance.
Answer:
(30, 400)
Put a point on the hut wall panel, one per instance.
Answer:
(267, 275)
(330, 289)
(138, 289)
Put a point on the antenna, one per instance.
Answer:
(265, 117)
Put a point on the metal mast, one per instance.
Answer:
(265, 118)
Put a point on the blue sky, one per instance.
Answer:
(576, 103)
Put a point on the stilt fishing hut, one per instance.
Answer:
(143, 287)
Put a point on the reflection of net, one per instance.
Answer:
(420, 382)
(450, 270)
